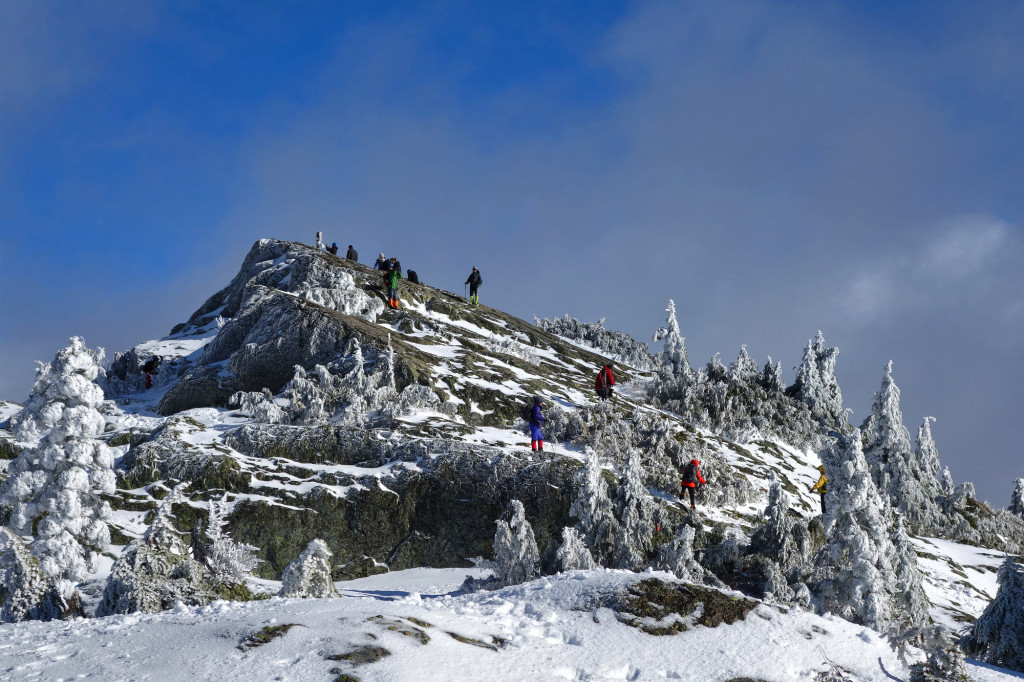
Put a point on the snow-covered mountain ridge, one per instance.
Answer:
(314, 411)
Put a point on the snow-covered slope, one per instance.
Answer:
(409, 626)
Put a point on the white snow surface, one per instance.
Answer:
(546, 629)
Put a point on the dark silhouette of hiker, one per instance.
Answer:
(333, 249)
(412, 277)
(474, 283)
(150, 368)
(352, 255)
(382, 263)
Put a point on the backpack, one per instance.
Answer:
(690, 473)
(413, 277)
(527, 413)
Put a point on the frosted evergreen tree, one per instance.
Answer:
(573, 553)
(856, 575)
(943, 661)
(911, 488)
(817, 386)
(926, 454)
(998, 636)
(592, 508)
(636, 509)
(673, 356)
(911, 601)
(1017, 498)
(230, 562)
(676, 556)
(309, 575)
(773, 537)
(946, 483)
(516, 558)
(156, 571)
(55, 488)
(743, 370)
(26, 592)
(771, 378)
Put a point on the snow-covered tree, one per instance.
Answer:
(230, 562)
(55, 488)
(1017, 498)
(817, 386)
(26, 592)
(773, 537)
(856, 568)
(309, 575)
(156, 571)
(676, 556)
(925, 452)
(673, 355)
(516, 558)
(619, 345)
(635, 508)
(573, 553)
(259, 405)
(998, 636)
(911, 602)
(943, 661)
(908, 479)
(592, 508)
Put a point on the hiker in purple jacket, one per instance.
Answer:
(536, 419)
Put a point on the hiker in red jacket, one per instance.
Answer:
(603, 384)
(691, 477)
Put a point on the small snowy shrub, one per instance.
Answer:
(55, 489)
(230, 562)
(516, 558)
(677, 556)
(309, 575)
(510, 346)
(260, 406)
(573, 553)
(156, 571)
(27, 592)
(1017, 498)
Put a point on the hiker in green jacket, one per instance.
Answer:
(393, 275)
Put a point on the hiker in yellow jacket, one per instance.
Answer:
(819, 487)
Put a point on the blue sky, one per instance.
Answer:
(775, 167)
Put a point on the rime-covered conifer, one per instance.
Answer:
(943, 661)
(55, 488)
(516, 558)
(573, 553)
(998, 636)
(773, 537)
(156, 571)
(856, 577)
(926, 454)
(908, 482)
(771, 378)
(636, 509)
(673, 356)
(230, 562)
(817, 386)
(676, 556)
(309, 575)
(619, 345)
(1017, 498)
(593, 510)
(27, 592)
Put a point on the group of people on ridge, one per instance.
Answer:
(392, 269)
(351, 254)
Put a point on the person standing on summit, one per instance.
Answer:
(352, 254)
(474, 283)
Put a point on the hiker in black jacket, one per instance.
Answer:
(351, 254)
(474, 282)
(333, 248)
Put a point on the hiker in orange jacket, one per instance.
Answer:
(819, 487)
(691, 477)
